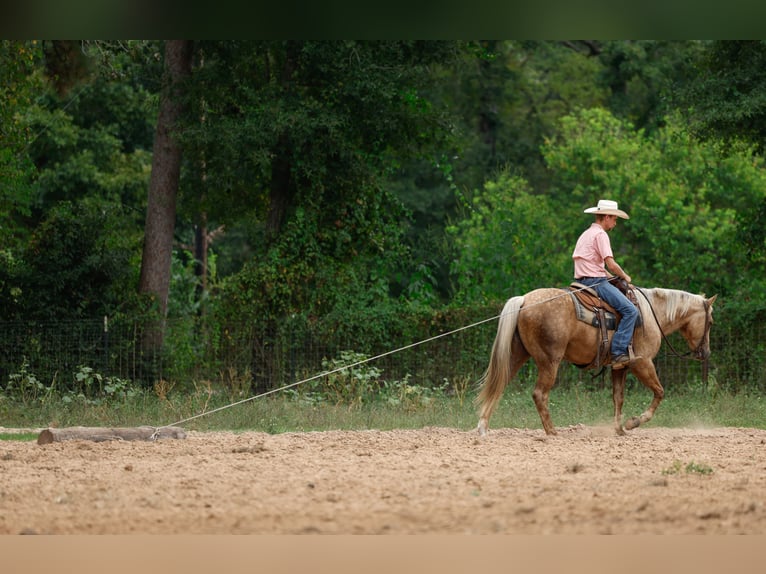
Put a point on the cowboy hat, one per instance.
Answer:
(607, 207)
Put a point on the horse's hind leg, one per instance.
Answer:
(546, 377)
(646, 373)
(618, 397)
(495, 382)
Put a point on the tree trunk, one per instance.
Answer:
(163, 187)
(279, 192)
(201, 244)
(281, 186)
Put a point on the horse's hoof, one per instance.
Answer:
(619, 431)
(632, 423)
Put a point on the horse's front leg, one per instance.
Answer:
(618, 397)
(644, 370)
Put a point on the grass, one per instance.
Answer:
(690, 468)
(18, 436)
(278, 413)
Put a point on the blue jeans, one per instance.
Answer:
(622, 305)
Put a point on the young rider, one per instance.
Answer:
(594, 264)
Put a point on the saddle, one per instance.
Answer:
(596, 312)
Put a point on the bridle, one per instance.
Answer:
(698, 351)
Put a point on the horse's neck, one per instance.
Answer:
(671, 308)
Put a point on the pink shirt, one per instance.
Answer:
(592, 248)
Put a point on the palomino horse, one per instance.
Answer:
(542, 324)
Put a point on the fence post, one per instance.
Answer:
(705, 365)
(106, 346)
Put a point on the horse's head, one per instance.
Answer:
(696, 330)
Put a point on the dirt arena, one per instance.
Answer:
(586, 480)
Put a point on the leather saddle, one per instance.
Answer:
(596, 312)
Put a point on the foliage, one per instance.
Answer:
(87, 137)
(688, 201)
(306, 273)
(727, 97)
(412, 397)
(91, 387)
(643, 77)
(186, 297)
(298, 137)
(509, 243)
(507, 97)
(25, 385)
(349, 380)
(685, 198)
(95, 144)
(87, 386)
(79, 263)
(373, 193)
(19, 81)
(690, 468)
(550, 80)
(726, 101)
(303, 122)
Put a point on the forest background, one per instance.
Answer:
(214, 199)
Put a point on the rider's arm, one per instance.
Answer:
(615, 268)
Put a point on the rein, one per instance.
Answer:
(698, 350)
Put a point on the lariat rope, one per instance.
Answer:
(356, 364)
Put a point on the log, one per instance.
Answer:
(100, 434)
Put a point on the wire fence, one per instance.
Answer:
(256, 360)
(266, 358)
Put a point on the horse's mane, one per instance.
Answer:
(677, 302)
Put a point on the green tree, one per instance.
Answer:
(507, 97)
(724, 98)
(80, 263)
(509, 243)
(295, 138)
(20, 79)
(687, 199)
(83, 150)
(642, 77)
(92, 122)
(689, 203)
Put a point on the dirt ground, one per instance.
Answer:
(586, 480)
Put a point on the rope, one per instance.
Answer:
(349, 366)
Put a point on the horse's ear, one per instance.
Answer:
(712, 300)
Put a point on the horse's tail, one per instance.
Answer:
(499, 370)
